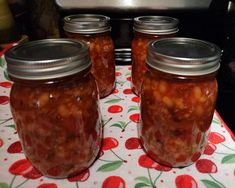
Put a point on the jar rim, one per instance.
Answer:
(87, 23)
(184, 56)
(156, 25)
(47, 59)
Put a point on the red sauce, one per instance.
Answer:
(176, 114)
(139, 53)
(58, 123)
(103, 60)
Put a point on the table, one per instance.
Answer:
(122, 162)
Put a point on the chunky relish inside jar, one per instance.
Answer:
(139, 53)
(58, 123)
(102, 57)
(176, 113)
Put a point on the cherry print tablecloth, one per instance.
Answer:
(122, 162)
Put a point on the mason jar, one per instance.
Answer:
(146, 29)
(95, 31)
(54, 103)
(178, 99)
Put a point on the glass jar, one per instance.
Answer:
(147, 28)
(178, 99)
(54, 103)
(95, 31)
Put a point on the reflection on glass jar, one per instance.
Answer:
(148, 28)
(54, 102)
(178, 99)
(95, 31)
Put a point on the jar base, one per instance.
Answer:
(167, 164)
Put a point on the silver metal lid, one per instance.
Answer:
(87, 23)
(47, 59)
(183, 56)
(160, 25)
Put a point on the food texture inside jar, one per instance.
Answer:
(103, 60)
(139, 52)
(176, 115)
(59, 125)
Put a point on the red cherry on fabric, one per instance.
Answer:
(209, 149)
(47, 185)
(80, 177)
(216, 138)
(20, 167)
(185, 181)
(6, 84)
(147, 162)
(118, 74)
(206, 166)
(135, 118)
(129, 78)
(115, 109)
(24, 167)
(162, 168)
(132, 143)
(114, 182)
(127, 91)
(8, 46)
(135, 99)
(109, 143)
(15, 147)
(32, 174)
(1, 142)
(4, 100)
(115, 91)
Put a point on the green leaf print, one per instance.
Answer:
(6, 76)
(3, 185)
(2, 62)
(229, 159)
(143, 179)
(11, 126)
(216, 121)
(128, 74)
(113, 101)
(117, 69)
(120, 82)
(121, 124)
(210, 184)
(110, 166)
(116, 125)
(131, 108)
(140, 185)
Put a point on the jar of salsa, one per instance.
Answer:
(54, 103)
(178, 99)
(147, 28)
(95, 31)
